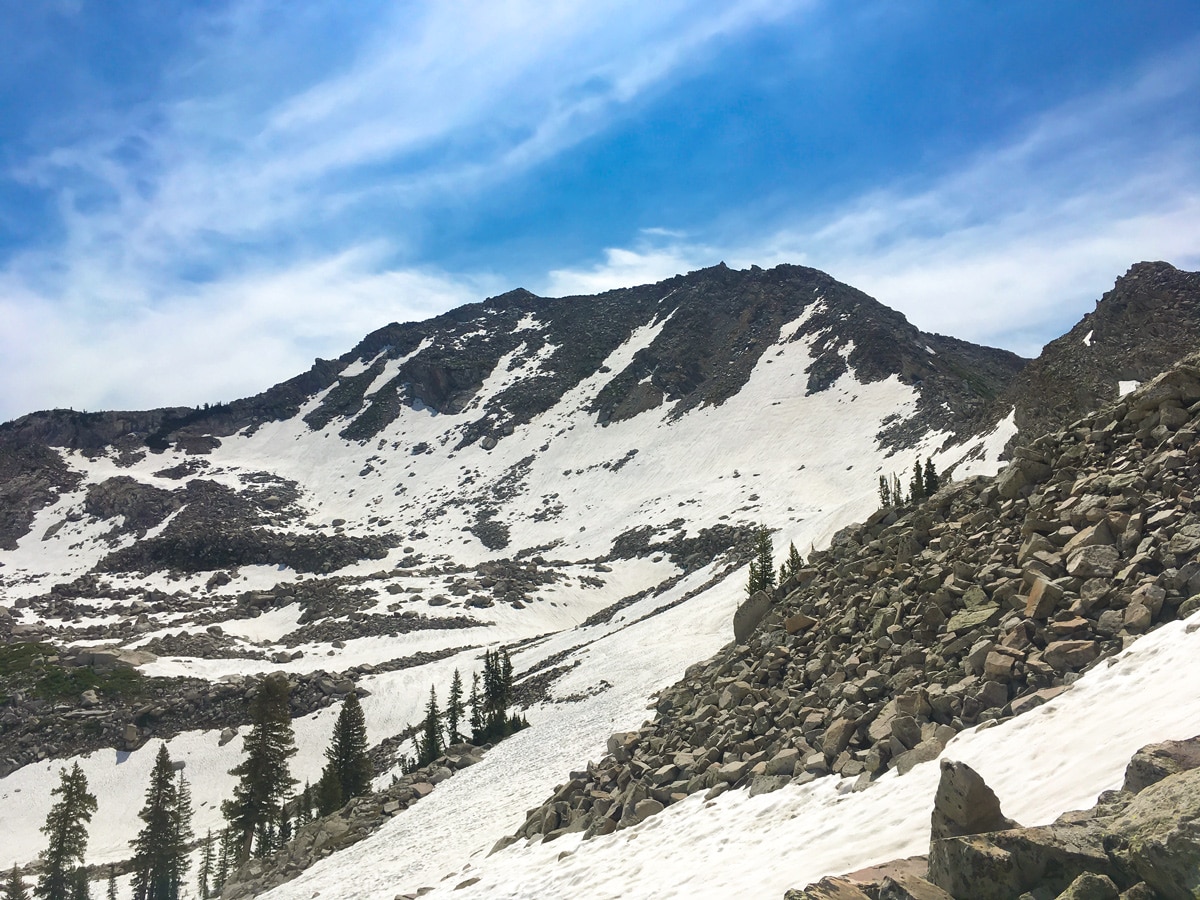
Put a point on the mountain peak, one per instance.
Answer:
(1148, 320)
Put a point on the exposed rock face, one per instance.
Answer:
(31, 477)
(983, 602)
(1138, 844)
(1147, 321)
(1149, 839)
(1155, 762)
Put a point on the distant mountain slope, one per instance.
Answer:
(501, 371)
(1149, 319)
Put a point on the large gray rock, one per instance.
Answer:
(1095, 561)
(1155, 762)
(1158, 836)
(749, 614)
(964, 804)
(1003, 865)
(1090, 887)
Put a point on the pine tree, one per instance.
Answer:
(762, 567)
(181, 824)
(506, 680)
(264, 780)
(429, 744)
(112, 883)
(932, 482)
(14, 886)
(226, 851)
(160, 849)
(897, 491)
(347, 771)
(204, 877)
(790, 566)
(454, 709)
(476, 704)
(885, 492)
(304, 806)
(916, 487)
(66, 827)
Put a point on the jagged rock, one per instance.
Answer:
(1004, 864)
(829, 889)
(964, 804)
(909, 887)
(1154, 762)
(1089, 886)
(1063, 655)
(1158, 835)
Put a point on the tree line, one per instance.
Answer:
(264, 810)
(486, 712)
(762, 565)
(924, 482)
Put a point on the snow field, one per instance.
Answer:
(396, 699)
(1055, 758)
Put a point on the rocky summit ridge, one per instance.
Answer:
(488, 370)
(1149, 319)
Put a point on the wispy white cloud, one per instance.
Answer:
(1009, 248)
(650, 260)
(219, 341)
(207, 209)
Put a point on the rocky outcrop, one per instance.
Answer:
(984, 601)
(1138, 843)
(1144, 324)
(86, 699)
(32, 476)
(139, 506)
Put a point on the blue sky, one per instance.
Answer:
(196, 199)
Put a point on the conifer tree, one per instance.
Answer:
(14, 886)
(897, 491)
(916, 487)
(454, 709)
(790, 566)
(80, 888)
(66, 827)
(181, 823)
(762, 567)
(506, 679)
(264, 782)
(160, 849)
(304, 806)
(208, 861)
(226, 851)
(347, 771)
(112, 883)
(932, 482)
(429, 744)
(476, 704)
